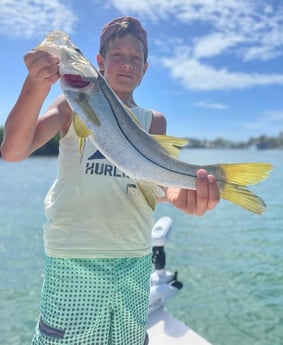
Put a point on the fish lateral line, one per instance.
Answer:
(132, 143)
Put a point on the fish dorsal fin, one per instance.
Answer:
(172, 145)
(150, 192)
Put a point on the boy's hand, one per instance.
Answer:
(43, 68)
(195, 202)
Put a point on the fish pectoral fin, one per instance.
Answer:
(150, 192)
(172, 145)
(243, 197)
(81, 130)
(82, 100)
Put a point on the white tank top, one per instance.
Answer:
(93, 209)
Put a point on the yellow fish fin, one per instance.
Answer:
(234, 179)
(244, 198)
(82, 100)
(172, 145)
(150, 192)
(81, 145)
(244, 174)
(81, 130)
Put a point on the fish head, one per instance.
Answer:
(75, 70)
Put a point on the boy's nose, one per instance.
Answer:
(127, 65)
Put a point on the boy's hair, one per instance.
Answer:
(119, 27)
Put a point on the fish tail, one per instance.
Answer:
(244, 174)
(235, 178)
(243, 197)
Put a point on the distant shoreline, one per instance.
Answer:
(262, 142)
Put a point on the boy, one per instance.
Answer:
(97, 237)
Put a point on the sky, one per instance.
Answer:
(215, 66)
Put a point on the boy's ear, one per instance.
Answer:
(100, 62)
(145, 67)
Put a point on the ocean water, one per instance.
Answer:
(230, 261)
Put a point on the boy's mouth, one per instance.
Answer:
(75, 80)
(124, 75)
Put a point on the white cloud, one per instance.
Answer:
(214, 44)
(27, 18)
(250, 30)
(197, 76)
(184, 11)
(262, 52)
(228, 24)
(271, 120)
(273, 116)
(246, 30)
(211, 105)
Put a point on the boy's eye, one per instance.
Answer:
(133, 58)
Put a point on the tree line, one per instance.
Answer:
(49, 149)
(261, 142)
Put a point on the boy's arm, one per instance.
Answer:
(196, 202)
(24, 130)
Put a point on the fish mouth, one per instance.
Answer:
(75, 80)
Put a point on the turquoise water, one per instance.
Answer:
(230, 261)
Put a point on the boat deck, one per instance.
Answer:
(164, 329)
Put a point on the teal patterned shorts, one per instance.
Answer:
(94, 302)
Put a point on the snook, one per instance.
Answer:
(148, 159)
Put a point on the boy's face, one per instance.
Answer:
(123, 64)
